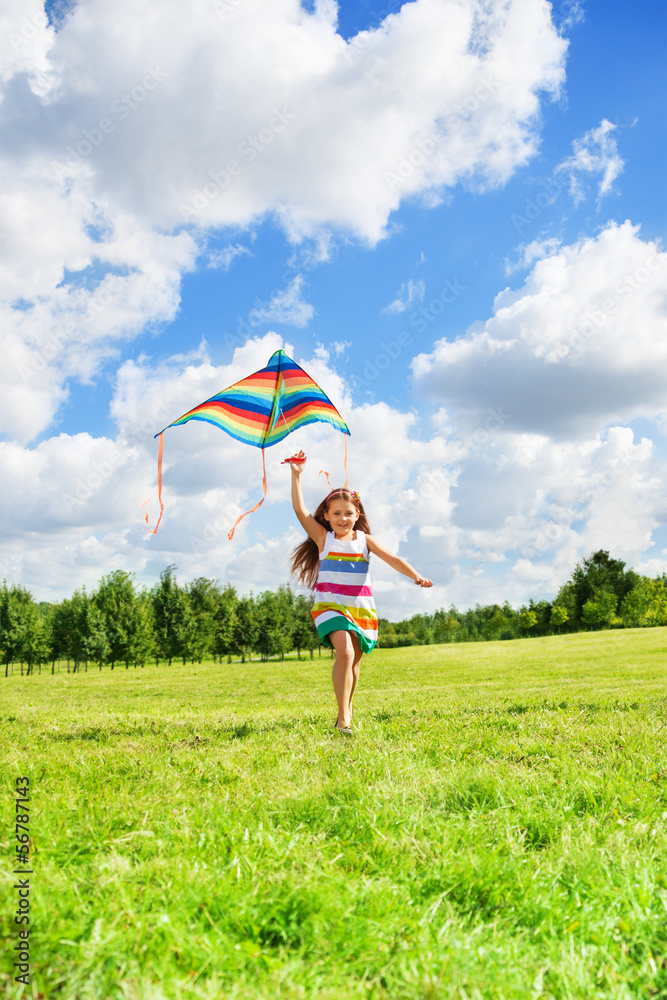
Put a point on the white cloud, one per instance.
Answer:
(75, 502)
(580, 345)
(570, 12)
(224, 258)
(528, 253)
(270, 112)
(554, 502)
(76, 277)
(529, 394)
(285, 306)
(25, 39)
(596, 152)
(337, 348)
(408, 293)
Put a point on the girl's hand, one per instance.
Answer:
(421, 581)
(297, 462)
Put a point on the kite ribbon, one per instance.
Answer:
(345, 466)
(159, 490)
(230, 534)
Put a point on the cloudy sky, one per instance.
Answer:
(450, 212)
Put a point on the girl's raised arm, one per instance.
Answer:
(400, 565)
(307, 521)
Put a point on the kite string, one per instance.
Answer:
(159, 490)
(230, 534)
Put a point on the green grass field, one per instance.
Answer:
(495, 828)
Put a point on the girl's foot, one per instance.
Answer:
(344, 730)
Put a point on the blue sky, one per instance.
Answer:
(614, 61)
(453, 218)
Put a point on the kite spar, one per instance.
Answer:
(261, 410)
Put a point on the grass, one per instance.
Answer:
(494, 830)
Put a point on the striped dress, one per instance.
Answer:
(344, 598)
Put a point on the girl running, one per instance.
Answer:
(334, 561)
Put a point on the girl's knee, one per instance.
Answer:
(343, 645)
(346, 655)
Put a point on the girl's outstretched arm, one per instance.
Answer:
(400, 565)
(307, 521)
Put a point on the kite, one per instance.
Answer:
(261, 410)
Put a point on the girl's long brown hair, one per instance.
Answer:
(306, 557)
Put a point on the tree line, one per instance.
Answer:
(120, 624)
(600, 594)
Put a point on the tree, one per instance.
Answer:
(117, 600)
(528, 619)
(60, 632)
(17, 616)
(446, 625)
(284, 634)
(245, 627)
(408, 639)
(203, 597)
(559, 616)
(600, 610)
(273, 618)
(600, 573)
(646, 605)
(566, 604)
(542, 611)
(387, 636)
(96, 643)
(35, 645)
(225, 621)
(420, 627)
(172, 616)
(84, 629)
(494, 621)
(144, 644)
(266, 618)
(304, 633)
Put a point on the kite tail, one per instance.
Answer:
(159, 490)
(345, 467)
(328, 480)
(230, 534)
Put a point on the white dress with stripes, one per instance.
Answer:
(343, 592)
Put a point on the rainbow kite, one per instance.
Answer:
(262, 410)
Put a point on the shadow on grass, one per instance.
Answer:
(190, 734)
(96, 734)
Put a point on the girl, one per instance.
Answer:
(334, 561)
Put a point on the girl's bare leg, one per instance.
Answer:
(356, 667)
(342, 674)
